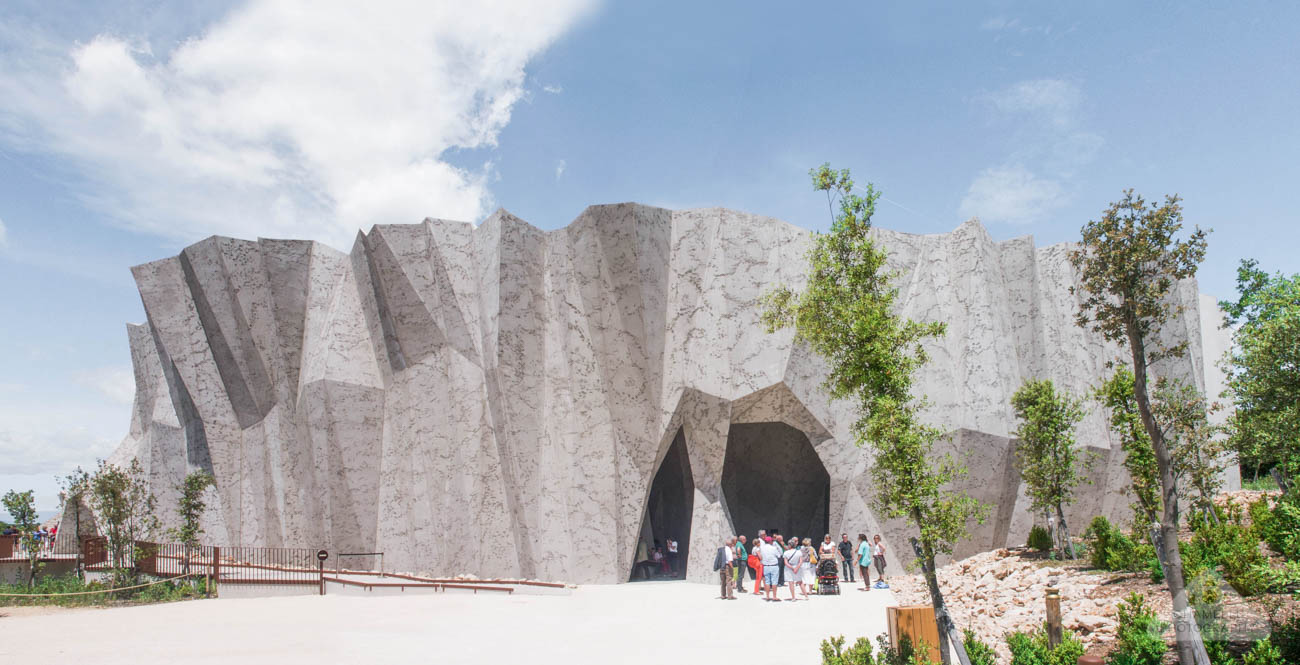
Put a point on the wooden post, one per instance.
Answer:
(1053, 617)
(216, 569)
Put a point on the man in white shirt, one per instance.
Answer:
(770, 555)
(723, 562)
(672, 555)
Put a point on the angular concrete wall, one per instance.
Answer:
(496, 399)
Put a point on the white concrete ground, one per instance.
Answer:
(649, 622)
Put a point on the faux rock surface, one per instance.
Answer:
(497, 399)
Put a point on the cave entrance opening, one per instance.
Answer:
(667, 517)
(772, 479)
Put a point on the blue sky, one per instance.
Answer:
(130, 129)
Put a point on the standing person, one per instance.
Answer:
(878, 557)
(846, 557)
(793, 562)
(770, 555)
(809, 579)
(742, 558)
(756, 565)
(723, 562)
(672, 555)
(780, 543)
(864, 561)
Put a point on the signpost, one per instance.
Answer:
(321, 556)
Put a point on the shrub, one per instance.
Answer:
(1283, 529)
(1110, 549)
(977, 651)
(861, 653)
(833, 652)
(1263, 653)
(1229, 544)
(1286, 637)
(1139, 640)
(1039, 539)
(1033, 649)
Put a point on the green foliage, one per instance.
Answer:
(191, 506)
(1129, 264)
(1046, 458)
(977, 651)
(1110, 549)
(21, 507)
(1139, 640)
(1116, 394)
(1230, 544)
(1280, 525)
(1039, 539)
(845, 314)
(125, 507)
(1033, 649)
(1286, 637)
(1198, 454)
(70, 584)
(1264, 653)
(861, 653)
(1264, 483)
(1279, 580)
(1264, 370)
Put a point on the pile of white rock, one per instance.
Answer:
(998, 592)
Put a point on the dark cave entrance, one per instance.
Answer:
(773, 479)
(667, 516)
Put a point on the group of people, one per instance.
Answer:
(774, 561)
(43, 537)
(659, 560)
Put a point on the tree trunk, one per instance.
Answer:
(1068, 549)
(948, 633)
(1191, 650)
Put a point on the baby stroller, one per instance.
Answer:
(828, 578)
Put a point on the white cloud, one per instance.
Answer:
(49, 438)
(284, 119)
(1054, 100)
(4, 235)
(553, 89)
(1048, 143)
(1012, 194)
(115, 383)
(559, 169)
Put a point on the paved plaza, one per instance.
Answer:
(651, 622)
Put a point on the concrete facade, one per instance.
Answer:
(497, 399)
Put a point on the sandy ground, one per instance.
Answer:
(651, 622)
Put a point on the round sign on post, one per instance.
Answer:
(321, 556)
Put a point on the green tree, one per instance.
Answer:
(76, 489)
(1264, 370)
(1046, 458)
(1116, 394)
(1129, 263)
(1197, 452)
(125, 507)
(21, 507)
(190, 509)
(845, 314)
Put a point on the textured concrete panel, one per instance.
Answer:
(497, 399)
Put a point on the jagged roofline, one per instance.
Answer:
(503, 214)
